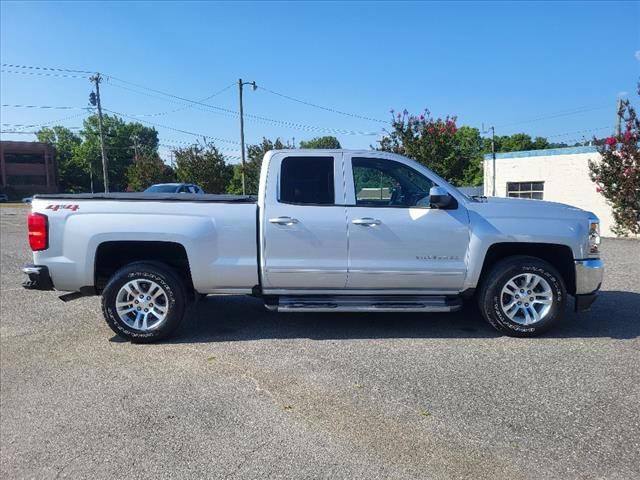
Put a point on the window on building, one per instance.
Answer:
(24, 158)
(307, 180)
(26, 180)
(533, 190)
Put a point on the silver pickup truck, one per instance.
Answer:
(330, 230)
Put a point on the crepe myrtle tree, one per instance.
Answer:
(431, 141)
(617, 174)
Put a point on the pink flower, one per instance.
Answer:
(599, 189)
(611, 141)
(628, 135)
(431, 130)
(442, 129)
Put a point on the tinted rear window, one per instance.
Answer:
(307, 180)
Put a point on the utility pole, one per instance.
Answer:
(493, 155)
(253, 87)
(619, 118)
(136, 146)
(97, 78)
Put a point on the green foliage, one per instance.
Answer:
(453, 153)
(72, 171)
(255, 154)
(327, 142)
(205, 166)
(432, 142)
(468, 145)
(617, 174)
(119, 139)
(519, 142)
(148, 170)
(79, 157)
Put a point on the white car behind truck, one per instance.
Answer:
(330, 230)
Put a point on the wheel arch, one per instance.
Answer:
(559, 256)
(112, 255)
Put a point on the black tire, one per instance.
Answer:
(490, 295)
(145, 271)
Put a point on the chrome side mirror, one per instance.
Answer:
(439, 197)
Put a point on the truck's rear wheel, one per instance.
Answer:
(522, 296)
(143, 302)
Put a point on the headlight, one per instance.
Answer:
(594, 238)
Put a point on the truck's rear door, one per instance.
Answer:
(304, 230)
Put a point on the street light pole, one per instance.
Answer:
(242, 153)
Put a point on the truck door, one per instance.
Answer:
(304, 231)
(396, 240)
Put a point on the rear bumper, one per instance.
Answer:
(39, 278)
(589, 275)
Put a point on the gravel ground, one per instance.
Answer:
(242, 393)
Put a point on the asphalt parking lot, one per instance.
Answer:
(244, 393)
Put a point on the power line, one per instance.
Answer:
(18, 132)
(33, 67)
(45, 74)
(285, 123)
(328, 109)
(574, 111)
(45, 106)
(157, 114)
(257, 118)
(56, 121)
(589, 130)
(201, 135)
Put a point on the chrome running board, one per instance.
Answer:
(365, 304)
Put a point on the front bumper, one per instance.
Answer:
(589, 274)
(39, 278)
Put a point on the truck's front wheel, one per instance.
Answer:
(143, 302)
(522, 296)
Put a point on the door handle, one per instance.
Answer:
(283, 220)
(367, 221)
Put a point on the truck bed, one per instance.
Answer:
(218, 234)
(151, 197)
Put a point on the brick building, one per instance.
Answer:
(556, 175)
(27, 168)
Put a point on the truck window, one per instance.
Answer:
(307, 180)
(384, 183)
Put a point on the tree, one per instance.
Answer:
(122, 140)
(253, 165)
(205, 166)
(148, 170)
(327, 142)
(617, 174)
(519, 142)
(468, 145)
(430, 141)
(73, 174)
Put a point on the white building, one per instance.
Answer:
(556, 175)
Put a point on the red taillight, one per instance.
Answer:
(38, 231)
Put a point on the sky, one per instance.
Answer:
(550, 69)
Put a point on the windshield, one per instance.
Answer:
(161, 189)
